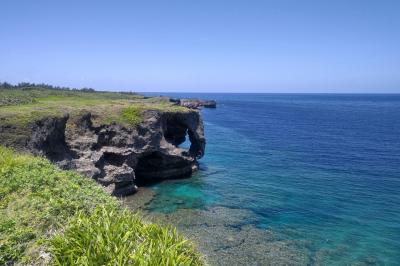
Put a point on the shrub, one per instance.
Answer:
(114, 237)
(132, 115)
(43, 209)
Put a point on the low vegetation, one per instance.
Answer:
(26, 102)
(48, 216)
(23, 104)
(108, 236)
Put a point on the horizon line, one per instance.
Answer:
(262, 92)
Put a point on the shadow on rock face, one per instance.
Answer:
(156, 166)
(120, 158)
(48, 139)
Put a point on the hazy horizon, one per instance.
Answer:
(218, 92)
(208, 46)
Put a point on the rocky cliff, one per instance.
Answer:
(117, 157)
(194, 103)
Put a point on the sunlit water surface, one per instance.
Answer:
(322, 171)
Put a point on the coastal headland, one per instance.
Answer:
(56, 143)
(121, 140)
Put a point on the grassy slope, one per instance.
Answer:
(44, 210)
(47, 211)
(20, 107)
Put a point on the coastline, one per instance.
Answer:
(271, 192)
(290, 170)
(121, 141)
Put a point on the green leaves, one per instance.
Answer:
(37, 200)
(111, 236)
(132, 115)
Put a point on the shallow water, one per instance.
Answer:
(314, 178)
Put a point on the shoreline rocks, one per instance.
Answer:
(195, 103)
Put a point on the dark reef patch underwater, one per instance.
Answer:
(304, 179)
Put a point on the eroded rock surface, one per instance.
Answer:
(120, 158)
(195, 103)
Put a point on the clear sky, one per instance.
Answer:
(207, 45)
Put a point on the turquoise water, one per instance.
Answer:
(320, 169)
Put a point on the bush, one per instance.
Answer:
(114, 237)
(132, 115)
(43, 209)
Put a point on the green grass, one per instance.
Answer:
(132, 115)
(32, 95)
(45, 210)
(19, 108)
(112, 237)
(13, 97)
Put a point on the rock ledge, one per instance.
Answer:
(121, 158)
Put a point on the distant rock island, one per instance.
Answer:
(195, 103)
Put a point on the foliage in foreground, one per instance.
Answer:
(43, 210)
(119, 238)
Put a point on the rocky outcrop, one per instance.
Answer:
(195, 103)
(48, 137)
(121, 158)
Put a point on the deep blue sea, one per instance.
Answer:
(320, 168)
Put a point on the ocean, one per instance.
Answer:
(302, 179)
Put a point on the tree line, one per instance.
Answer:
(28, 85)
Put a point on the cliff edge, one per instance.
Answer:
(119, 140)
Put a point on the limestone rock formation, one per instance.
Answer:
(121, 158)
(195, 103)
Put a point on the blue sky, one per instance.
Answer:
(203, 46)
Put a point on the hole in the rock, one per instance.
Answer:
(179, 135)
(186, 144)
(147, 168)
(175, 132)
